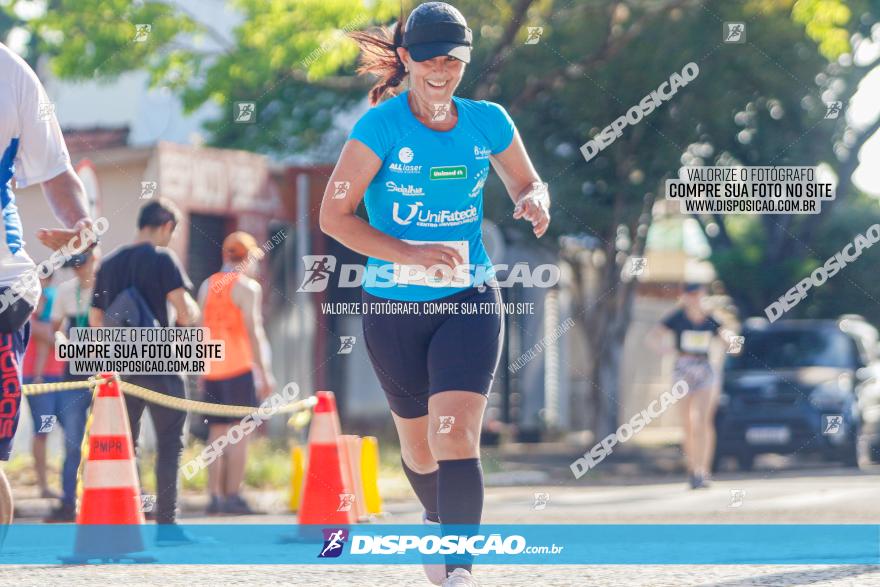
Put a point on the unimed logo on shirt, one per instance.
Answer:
(449, 172)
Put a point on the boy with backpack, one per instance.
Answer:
(134, 287)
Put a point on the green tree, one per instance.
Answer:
(12, 19)
(758, 258)
(755, 103)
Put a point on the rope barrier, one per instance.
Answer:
(174, 403)
(41, 388)
(207, 408)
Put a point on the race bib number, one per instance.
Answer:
(438, 276)
(695, 341)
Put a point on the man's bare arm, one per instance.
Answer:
(186, 307)
(201, 296)
(249, 300)
(67, 198)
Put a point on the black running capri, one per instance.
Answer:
(421, 348)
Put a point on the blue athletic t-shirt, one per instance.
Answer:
(430, 189)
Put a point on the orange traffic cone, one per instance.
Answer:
(327, 492)
(111, 492)
(352, 445)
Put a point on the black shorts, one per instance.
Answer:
(416, 355)
(235, 391)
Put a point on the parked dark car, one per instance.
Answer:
(801, 386)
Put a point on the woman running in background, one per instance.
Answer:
(694, 330)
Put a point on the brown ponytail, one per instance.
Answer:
(379, 58)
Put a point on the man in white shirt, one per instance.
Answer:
(32, 151)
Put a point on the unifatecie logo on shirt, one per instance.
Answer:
(449, 172)
(430, 218)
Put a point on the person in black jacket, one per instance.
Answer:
(155, 272)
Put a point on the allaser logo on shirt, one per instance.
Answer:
(406, 190)
(432, 219)
(449, 172)
(405, 155)
(403, 168)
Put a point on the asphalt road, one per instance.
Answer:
(825, 496)
(356, 576)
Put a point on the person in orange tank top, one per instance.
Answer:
(230, 301)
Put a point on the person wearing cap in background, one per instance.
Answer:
(73, 299)
(231, 302)
(419, 161)
(690, 332)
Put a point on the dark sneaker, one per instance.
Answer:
(172, 535)
(215, 507)
(698, 482)
(235, 505)
(63, 514)
(49, 494)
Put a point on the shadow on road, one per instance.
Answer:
(800, 577)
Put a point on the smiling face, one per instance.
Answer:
(433, 81)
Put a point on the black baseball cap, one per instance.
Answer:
(437, 28)
(691, 287)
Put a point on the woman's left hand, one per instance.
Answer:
(534, 207)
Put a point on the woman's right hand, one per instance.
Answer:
(427, 256)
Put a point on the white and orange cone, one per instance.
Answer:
(111, 491)
(352, 445)
(326, 478)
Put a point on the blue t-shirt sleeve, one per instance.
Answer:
(672, 321)
(372, 130)
(500, 126)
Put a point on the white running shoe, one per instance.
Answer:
(460, 578)
(435, 573)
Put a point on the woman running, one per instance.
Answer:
(420, 160)
(694, 330)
